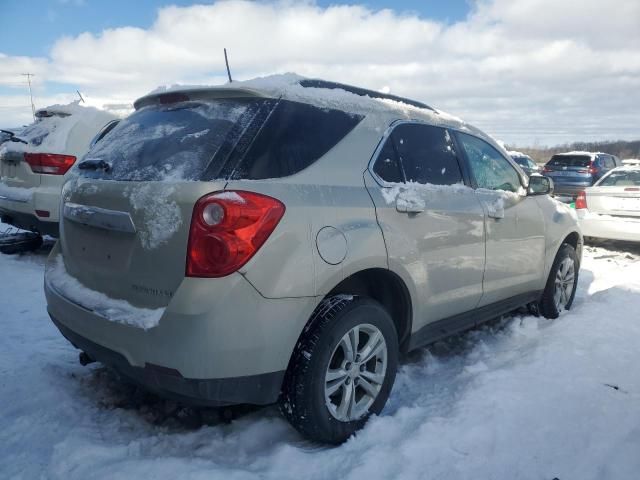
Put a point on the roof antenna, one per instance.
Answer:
(80, 95)
(226, 60)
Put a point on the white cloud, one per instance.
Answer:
(532, 70)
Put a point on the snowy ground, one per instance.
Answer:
(522, 398)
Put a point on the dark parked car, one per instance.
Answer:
(526, 162)
(572, 172)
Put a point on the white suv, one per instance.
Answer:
(34, 164)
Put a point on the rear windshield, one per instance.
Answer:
(628, 178)
(36, 133)
(226, 138)
(569, 161)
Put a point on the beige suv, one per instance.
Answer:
(285, 239)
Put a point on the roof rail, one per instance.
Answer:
(313, 83)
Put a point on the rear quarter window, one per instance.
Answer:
(293, 137)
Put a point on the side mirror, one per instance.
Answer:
(539, 185)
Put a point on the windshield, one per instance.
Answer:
(570, 161)
(621, 178)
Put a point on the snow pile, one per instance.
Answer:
(161, 216)
(16, 194)
(524, 398)
(419, 195)
(119, 311)
(413, 192)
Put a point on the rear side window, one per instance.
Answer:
(609, 162)
(293, 137)
(418, 153)
(570, 161)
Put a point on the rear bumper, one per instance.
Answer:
(19, 206)
(28, 221)
(606, 226)
(255, 389)
(218, 342)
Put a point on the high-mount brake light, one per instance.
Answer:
(49, 163)
(227, 229)
(169, 98)
(581, 201)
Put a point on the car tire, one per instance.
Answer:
(560, 289)
(328, 393)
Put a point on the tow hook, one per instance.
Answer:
(85, 359)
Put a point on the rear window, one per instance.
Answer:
(225, 138)
(522, 161)
(570, 161)
(629, 178)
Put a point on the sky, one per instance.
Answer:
(531, 72)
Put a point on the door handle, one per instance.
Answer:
(409, 202)
(495, 209)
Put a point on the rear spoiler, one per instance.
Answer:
(187, 94)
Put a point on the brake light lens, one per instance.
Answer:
(49, 163)
(581, 201)
(546, 169)
(227, 229)
(593, 170)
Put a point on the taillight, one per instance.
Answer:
(227, 229)
(593, 170)
(49, 163)
(546, 169)
(581, 201)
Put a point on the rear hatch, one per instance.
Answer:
(569, 169)
(617, 194)
(126, 215)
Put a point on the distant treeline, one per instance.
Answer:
(619, 148)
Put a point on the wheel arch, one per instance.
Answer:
(384, 286)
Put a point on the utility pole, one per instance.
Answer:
(33, 107)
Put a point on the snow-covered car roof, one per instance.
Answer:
(579, 152)
(53, 125)
(316, 92)
(515, 153)
(379, 108)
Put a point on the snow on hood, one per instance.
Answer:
(49, 134)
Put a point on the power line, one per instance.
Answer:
(33, 107)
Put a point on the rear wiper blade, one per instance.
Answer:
(13, 138)
(94, 165)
